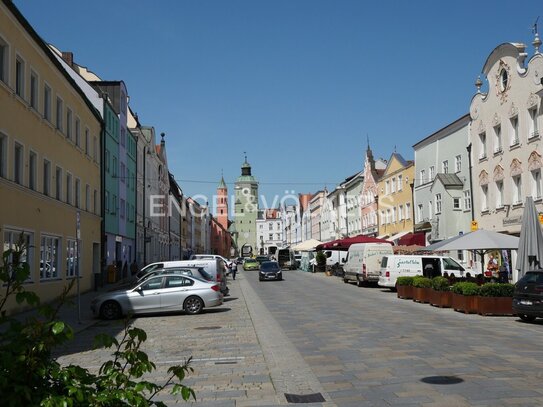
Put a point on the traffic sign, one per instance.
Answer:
(474, 225)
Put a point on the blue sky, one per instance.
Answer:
(297, 84)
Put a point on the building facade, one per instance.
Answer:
(269, 231)
(48, 178)
(246, 207)
(315, 208)
(369, 195)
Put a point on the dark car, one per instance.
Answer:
(270, 270)
(262, 259)
(528, 296)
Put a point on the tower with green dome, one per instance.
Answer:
(246, 207)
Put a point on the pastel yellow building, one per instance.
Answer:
(49, 161)
(395, 198)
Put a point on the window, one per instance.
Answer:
(47, 103)
(77, 132)
(484, 198)
(152, 284)
(18, 163)
(68, 188)
(270, 236)
(383, 218)
(467, 200)
(33, 90)
(430, 210)
(407, 211)
(95, 149)
(432, 173)
(456, 203)
(72, 260)
(95, 201)
(4, 61)
(517, 189)
(419, 212)
(19, 77)
(458, 163)
(32, 170)
(438, 203)
(514, 131)
(87, 142)
(534, 128)
(393, 220)
(46, 177)
(270, 226)
(87, 198)
(77, 193)
(3, 155)
(123, 137)
(122, 208)
(107, 160)
(422, 176)
(388, 216)
(499, 194)
(49, 257)
(498, 139)
(13, 237)
(536, 188)
(58, 183)
(400, 186)
(114, 169)
(393, 185)
(445, 166)
(482, 146)
(60, 113)
(106, 203)
(122, 173)
(114, 204)
(400, 213)
(387, 187)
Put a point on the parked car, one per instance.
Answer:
(162, 293)
(215, 267)
(270, 270)
(198, 272)
(227, 262)
(528, 296)
(363, 262)
(251, 264)
(408, 265)
(262, 259)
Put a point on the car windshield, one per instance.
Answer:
(269, 266)
(450, 264)
(531, 277)
(250, 261)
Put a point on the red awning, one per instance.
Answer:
(344, 244)
(418, 238)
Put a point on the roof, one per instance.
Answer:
(222, 184)
(457, 122)
(450, 181)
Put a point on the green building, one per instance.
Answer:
(246, 207)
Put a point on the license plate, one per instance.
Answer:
(525, 302)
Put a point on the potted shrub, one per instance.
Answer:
(441, 295)
(320, 259)
(421, 289)
(464, 298)
(404, 286)
(496, 299)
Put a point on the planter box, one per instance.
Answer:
(465, 303)
(495, 305)
(442, 299)
(421, 294)
(405, 292)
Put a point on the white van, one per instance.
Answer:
(396, 266)
(227, 262)
(214, 267)
(363, 262)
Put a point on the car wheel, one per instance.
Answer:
(358, 282)
(280, 279)
(193, 305)
(527, 318)
(345, 280)
(110, 310)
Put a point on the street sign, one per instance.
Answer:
(474, 225)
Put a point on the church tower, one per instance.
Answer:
(246, 207)
(222, 204)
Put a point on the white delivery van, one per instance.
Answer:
(363, 262)
(214, 267)
(397, 265)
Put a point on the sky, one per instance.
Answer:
(299, 85)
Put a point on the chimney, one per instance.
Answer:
(68, 57)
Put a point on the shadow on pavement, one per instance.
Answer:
(230, 299)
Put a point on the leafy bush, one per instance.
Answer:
(440, 284)
(405, 281)
(496, 290)
(320, 258)
(465, 288)
(30, 376)
(422, 282)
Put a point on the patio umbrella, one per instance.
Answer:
(308, 245)
(482, 241)
(530, 249)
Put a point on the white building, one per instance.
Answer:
(269, 231)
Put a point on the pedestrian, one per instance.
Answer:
(234, 270)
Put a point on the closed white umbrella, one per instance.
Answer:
(530, 249)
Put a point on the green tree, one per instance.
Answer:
(30, 375)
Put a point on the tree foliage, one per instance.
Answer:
(31, 376)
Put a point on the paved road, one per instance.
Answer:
(368, 348)
(355, 346)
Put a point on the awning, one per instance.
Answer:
(398, 235)
(308, 245)
(423, 227)
(383, 236)
(418, 238)
(344, 244)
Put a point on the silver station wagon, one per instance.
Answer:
(162, 293)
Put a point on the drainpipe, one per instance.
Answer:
(143, 208)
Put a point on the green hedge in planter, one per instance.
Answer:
(422, 282)
(465, 288)
(440, 284)
(405, 281)
(496, 290)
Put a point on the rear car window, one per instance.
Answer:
(266, 266)
(205, 275)
(384, 261)
(532, 278)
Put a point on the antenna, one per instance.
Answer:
(534, 27)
